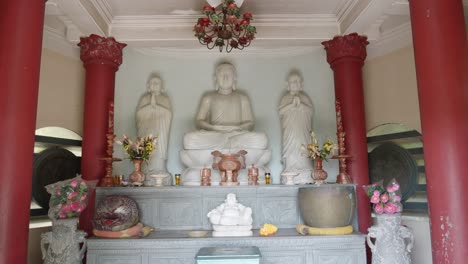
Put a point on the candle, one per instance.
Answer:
(110, 128)
(253, 175)
(267, 178)
(177, 179)
(205, 177)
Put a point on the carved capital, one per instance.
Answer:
(97, 49)
(348, 46)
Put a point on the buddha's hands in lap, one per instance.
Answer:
(221, 128)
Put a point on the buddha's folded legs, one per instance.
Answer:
(233, 140)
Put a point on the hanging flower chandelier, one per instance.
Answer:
(225, 29)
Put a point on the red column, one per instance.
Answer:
(346, 56)
(101, 58)
(21, 24)
(440, 49)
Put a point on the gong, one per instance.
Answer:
(50, 166)
(389, 161)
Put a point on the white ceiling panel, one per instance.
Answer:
(281, 24)
(165, 7)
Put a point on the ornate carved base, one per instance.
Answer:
(232, 233)
(153, 181)
(301, 177)
(195, 160)
(230, 183)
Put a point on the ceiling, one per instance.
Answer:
(166, 25)
(151, 7)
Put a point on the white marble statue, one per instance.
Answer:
(231, 218)
(296, 111)
(225, 117)
(153, 117)
(225, 123)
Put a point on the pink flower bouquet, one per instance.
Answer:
(385, 200)
(68, 198)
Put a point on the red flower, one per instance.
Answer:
(247, 16)
(250, 36)
(243, 41)
(198, 29)
(244, 22)
(208, 8)
(204, 21)
(232, 7)
(208, 39)
(234, 44)
(232, 19)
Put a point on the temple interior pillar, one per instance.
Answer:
(440, 49)
(101, 58)
(21, 24)
(346, 55)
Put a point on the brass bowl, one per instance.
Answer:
(327, 205)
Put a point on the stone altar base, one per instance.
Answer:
(195, 160)
(232, 231)
(174, 211)
(176, 247)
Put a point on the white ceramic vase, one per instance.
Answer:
(393, 242)
(64, 243)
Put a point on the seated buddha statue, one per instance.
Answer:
(231, 218)
(225, 122)
(225, 117)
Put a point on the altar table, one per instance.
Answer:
(175, 210)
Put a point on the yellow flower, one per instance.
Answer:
(268, 229)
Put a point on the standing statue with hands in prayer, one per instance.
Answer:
(153, 117)
(296, 111)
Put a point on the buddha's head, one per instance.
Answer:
(231, 199)
(154, 84)
(225, 78)
(295, 83)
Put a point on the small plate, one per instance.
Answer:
(197, 233)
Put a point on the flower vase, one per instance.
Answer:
(64, 243)
(137, 177)
(393, 242)
(319, 174)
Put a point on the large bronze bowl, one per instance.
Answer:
(327, 205)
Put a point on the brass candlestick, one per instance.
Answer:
(343, 176)
(108, 180)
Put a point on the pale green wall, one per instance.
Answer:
(186, 79)
(390, 88)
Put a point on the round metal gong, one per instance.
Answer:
(50, 166)
(389, 161)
